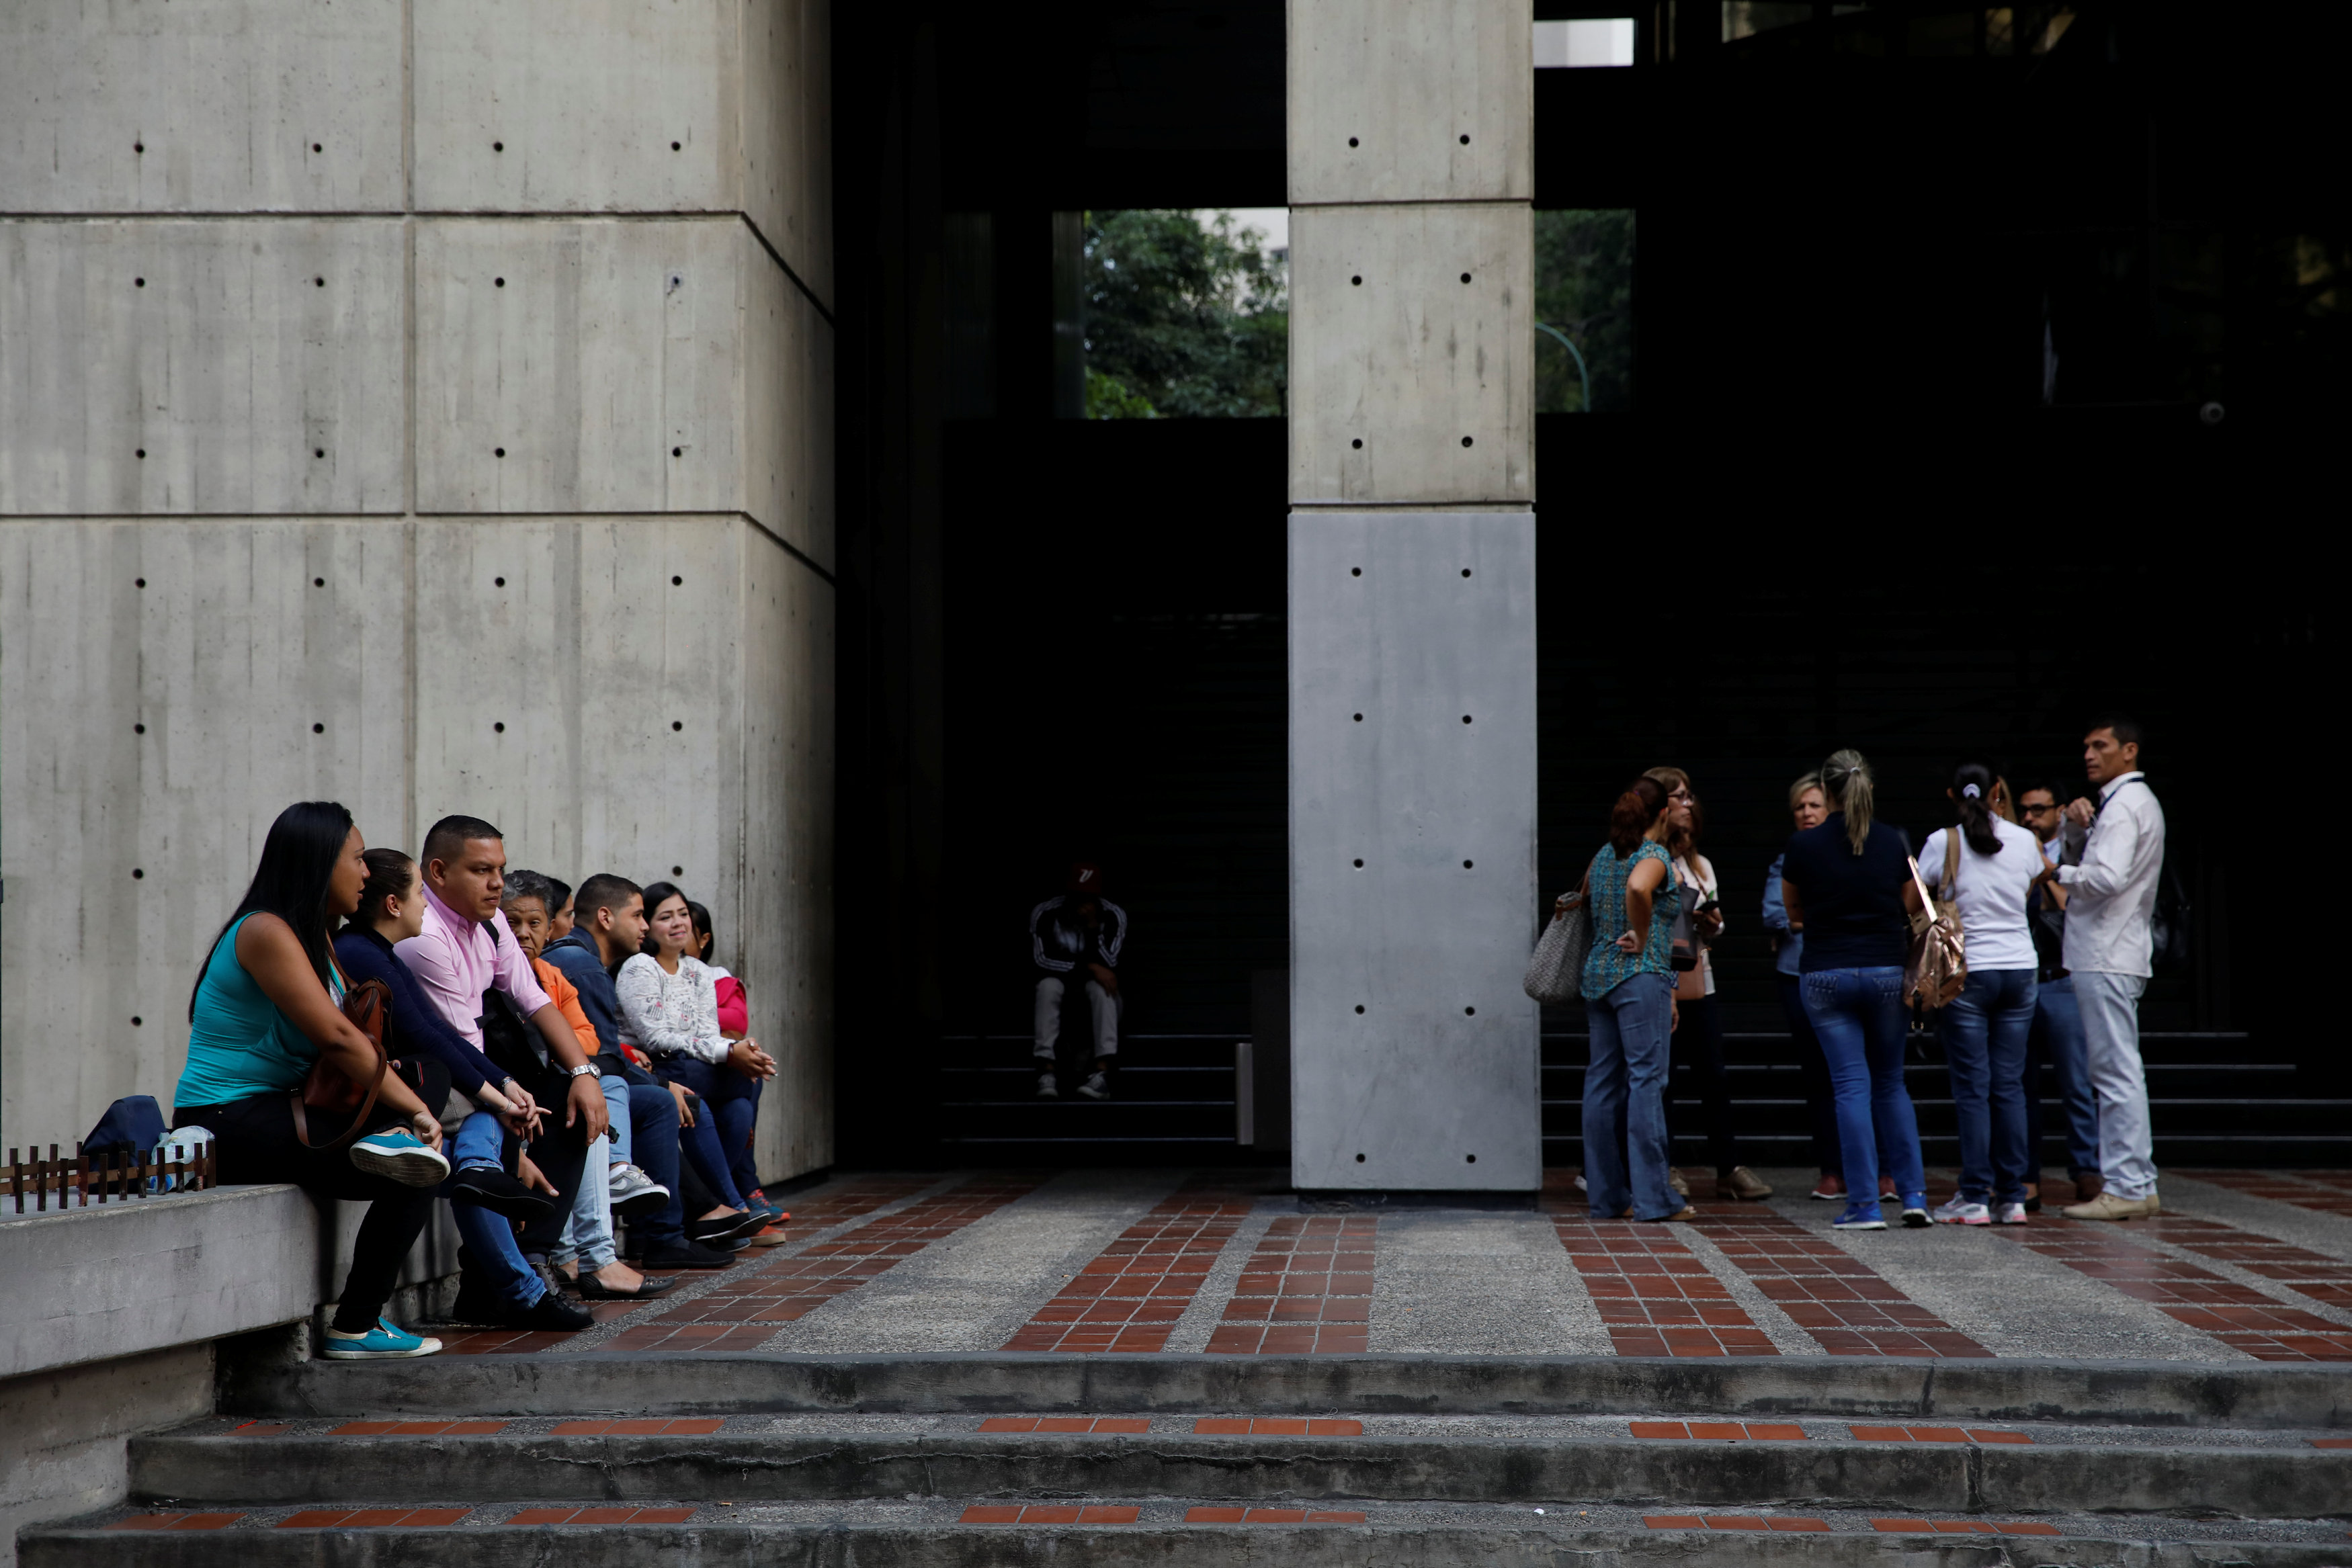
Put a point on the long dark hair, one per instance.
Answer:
(391, 873)
(656, 894)
(297, 859)
(702, 931)
(1637, 811)
(1973, 785)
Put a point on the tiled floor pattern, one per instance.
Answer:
(372, 1517)
(1306, 1291)
(1718, 1431)
(1846, 1306)
(2237, 1315)
(1654, 1296)
(1130, 1297)
(852, 1199)
(2322, 1192)
(2327, 1280)
(749, 1304)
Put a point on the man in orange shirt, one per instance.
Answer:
(587, 1258)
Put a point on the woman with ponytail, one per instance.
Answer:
(1846, 885)
(1985, 1028)
(1629, 1003)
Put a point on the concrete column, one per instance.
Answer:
(424, 406)
(1412, 713)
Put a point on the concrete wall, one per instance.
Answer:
(1413, 1051)
(427, 408)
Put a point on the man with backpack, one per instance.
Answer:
(2109, 943)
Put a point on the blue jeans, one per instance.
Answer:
(730, 1100)
(1627, 1078)
(1857, 1015)
(2057, 1038)
(489, 1238)
(1984, 1030)
(652, 1138)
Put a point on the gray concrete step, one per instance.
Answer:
(2248, 1395)
(1783, 1465)
(1149, 1533)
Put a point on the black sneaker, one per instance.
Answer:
(686, 1255)
(726, 1227)
(500, 1193)
(550, 1314)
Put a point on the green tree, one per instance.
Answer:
(1584, 286)
(1182, 320)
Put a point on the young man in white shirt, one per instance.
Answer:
(2109, 941)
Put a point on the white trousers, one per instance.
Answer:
(2110, 1008)
(1049, 1016)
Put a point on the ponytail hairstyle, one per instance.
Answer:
(1637, 811)
(391, 875)
(1845, 780)
(1972, 788)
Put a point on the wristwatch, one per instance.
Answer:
(585, 1070)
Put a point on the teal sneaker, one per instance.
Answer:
(402, 1156)
(382, 1343)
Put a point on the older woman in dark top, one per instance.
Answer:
(1847, 885)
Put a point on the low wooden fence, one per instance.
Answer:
(76, 1180)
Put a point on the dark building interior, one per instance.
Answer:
(1990, 365)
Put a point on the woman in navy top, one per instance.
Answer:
(1847, 885)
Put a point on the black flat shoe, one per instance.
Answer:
(647, 1288)
(715, 1232)
(500, 1193)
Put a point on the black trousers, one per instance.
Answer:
(560, 1152)
(1697, 1063)
(254, 1144)
(1820, 1104)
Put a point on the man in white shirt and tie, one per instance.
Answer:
(2110, 903)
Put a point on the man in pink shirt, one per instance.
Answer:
(464, 951)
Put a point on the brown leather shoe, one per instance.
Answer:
(1744, 1185)
(1686, 1213)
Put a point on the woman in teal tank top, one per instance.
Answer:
(265, 1008)
(1629, 996)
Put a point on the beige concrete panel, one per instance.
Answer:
(588, 654)
(1412, 100)
(1411, 361)
(266, 660)
(783, 943)
(787, 412)
(788, 134)
(208, 106)
(67, 1452)
(604, 358)
(258, 365)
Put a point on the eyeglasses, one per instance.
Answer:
(2036, 810)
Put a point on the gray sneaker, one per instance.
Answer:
(1046, 1088)
(635, 1193)
(1096, 1087)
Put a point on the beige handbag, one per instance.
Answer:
(1938, 964)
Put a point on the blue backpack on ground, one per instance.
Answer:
(132, 1125)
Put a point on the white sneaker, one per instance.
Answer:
(635, 1193)
(1096, 1088)
(1046, 1088)
(2010, 1214)
(1960, 1211)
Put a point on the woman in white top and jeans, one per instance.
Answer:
(1985, 1028)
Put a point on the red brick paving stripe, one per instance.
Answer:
(1067, 1424)
(749, 1304)
(1274, 1427)
(1845, 1304)
(1654, 1294)
(1748, 1431)
(176, 1522)
(1306, 1291)
(2237, 1315)
(373, 1518)
(640, 1427)
(2322, 1192)
(1934, 1434)
(1051, 1513)
(1130, 1297)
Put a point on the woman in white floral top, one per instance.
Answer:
(669, 1010)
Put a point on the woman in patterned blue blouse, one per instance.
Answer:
(1629, 999)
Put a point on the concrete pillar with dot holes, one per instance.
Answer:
(424, 406)
(1412, 645)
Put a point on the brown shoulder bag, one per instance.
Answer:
(1938, 964)
(328, 1089)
